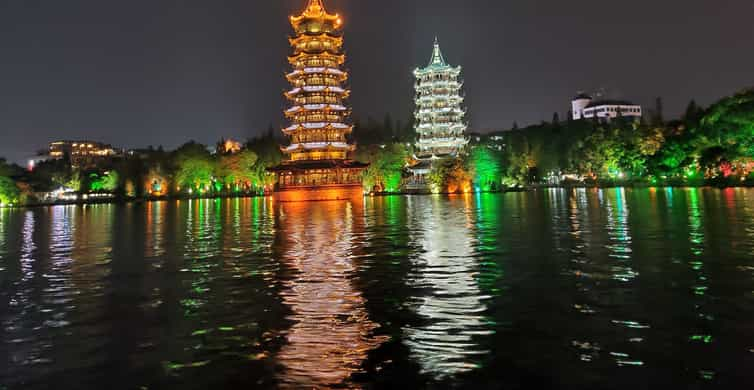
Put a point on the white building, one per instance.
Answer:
(585, 107)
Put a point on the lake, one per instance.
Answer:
(565, 289)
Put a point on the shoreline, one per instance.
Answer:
(135, 200)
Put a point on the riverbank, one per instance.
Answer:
(124, 200)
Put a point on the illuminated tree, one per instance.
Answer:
(486, 167)
(74, 181)
(194, 168)
(195, 174)
(238, 170)
(730, 124)
(386, 166)
(651, 141)
(106, 182)
(9, 192)
(450, 175)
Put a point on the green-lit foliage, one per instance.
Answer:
(238, 171)
(195, 168)
(73, 181)
(485, 163)
(106, 182)
(730, 124)
(9, 192)
(386, 166)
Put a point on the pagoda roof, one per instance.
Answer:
(341, 58)
(338, 39)
(437, 62)
(317, 70)
(437, 57)
(315, 9)
(318, 145)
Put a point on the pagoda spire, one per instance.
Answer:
(315, 7)
(437, 58)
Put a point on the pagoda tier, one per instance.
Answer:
(319, 117)
(439, 114)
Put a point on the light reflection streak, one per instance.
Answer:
(201, 246)
(619, 234)
(3, 221)
(28, 248)
(331, 333)
(450, 302)
(700, 333)
(155, 229)
(581, 266)
(620, 249)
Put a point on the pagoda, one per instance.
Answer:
(439, 116)
(318, 154)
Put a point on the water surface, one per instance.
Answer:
(588, 289)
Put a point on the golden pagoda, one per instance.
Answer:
(318, 154)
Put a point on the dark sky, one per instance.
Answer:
(140, 72)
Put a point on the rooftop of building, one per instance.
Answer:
(608, 102)
(80, 142)
(582, 95)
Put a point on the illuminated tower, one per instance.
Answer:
(439, 116)
(318, 154)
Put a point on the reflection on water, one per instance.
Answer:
(587, 288)
(154, 240)
(449, 300)
(331, 333)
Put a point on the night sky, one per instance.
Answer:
(161, 72)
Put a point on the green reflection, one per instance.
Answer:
(489, 246)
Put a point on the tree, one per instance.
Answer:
(194, 167)
(238, 170)
(693, 113)
(386, 167)
(486, 167)
(651, 141)
(106, 182)
(450, 175)
(659, 117)
(9, 192)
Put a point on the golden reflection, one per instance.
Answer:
(449, 300)
(331, 333)
(155, 229)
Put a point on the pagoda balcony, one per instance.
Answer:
(319, 146)
(313, 126)
(339, 74)
(442, 111)
(316, 88)
(439, 84)
(317, 107)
